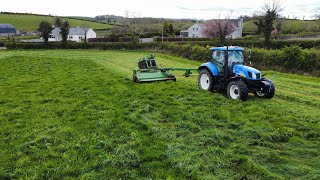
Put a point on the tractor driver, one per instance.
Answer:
(233, 57)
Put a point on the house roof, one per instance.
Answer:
(78, 31)
(72, 31)
(7, 28)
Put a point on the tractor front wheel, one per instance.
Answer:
(205, 80)
(237, 90)
(269, 94)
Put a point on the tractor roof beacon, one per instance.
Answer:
(226, 72)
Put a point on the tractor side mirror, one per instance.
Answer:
(250, 53)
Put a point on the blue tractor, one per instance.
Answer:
(226, 72)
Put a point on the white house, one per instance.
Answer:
(75, 34)
(196, 30)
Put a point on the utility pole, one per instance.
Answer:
(162, 31)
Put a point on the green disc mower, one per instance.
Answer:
(149, 71)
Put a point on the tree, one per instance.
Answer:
(57, 22)
(64, 31)
(171, 30)
(279, 27)
(271, 13)
(166, 28)
(219, 28)
(45, 29)
(259, 24)
(317, 15)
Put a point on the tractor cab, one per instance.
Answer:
(234, 56)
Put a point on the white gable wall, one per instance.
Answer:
(195, 31)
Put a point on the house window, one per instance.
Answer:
(70, 37)
(197, 29)
(193, 35)
(193, 29)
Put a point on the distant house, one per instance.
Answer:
(7, 30)
(195, 31)
(75, 34)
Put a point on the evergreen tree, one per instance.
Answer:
(64, 31)
(45, 29)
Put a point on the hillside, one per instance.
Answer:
(288, 26)
(76, 114)
(31, 22)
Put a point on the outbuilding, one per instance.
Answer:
(7, 30)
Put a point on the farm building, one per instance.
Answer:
(196, 30)
(7, 30)
(75, 34)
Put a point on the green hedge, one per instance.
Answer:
(275, 44)
(92, 45)
(292, 58)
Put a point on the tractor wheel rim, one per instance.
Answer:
(204, 81)
(260, 93)
(234, 92)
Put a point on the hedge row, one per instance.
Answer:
(180, 39)
(111, 39)
(275, 44)
(93, 45)
(292, 58)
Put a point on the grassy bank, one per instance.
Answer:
(77, 114)
(31, 22)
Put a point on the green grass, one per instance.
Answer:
(31, 22)
(288, 26)
(77, 114)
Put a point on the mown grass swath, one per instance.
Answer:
(77, 114)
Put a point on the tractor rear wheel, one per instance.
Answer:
(237, 90)
(205, 80)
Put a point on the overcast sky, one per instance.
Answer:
(195, 9)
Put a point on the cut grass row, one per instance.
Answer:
(77, 114)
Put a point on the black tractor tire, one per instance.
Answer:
(205, 80)
(237, 89)
(268, 95)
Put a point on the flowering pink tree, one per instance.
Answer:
(219, 28)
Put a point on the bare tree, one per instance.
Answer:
(272, 10)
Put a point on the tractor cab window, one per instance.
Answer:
(233, 57)
(218, 59)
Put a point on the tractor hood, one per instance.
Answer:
(247, 72)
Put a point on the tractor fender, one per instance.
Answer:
(211, 67)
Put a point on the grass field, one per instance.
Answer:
(77, 114)
(31, 22)
(288, 26)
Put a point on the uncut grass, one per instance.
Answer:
(77, 114)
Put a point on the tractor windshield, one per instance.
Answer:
(235, 57)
